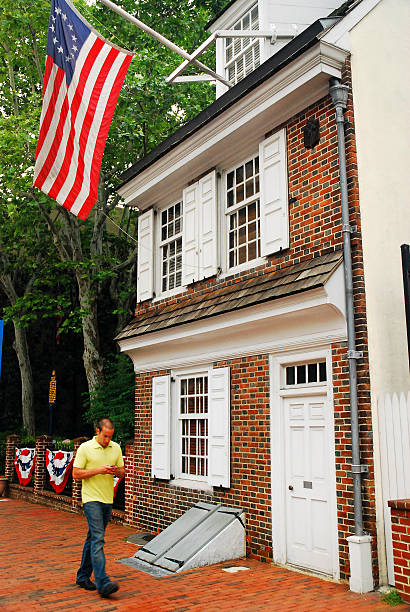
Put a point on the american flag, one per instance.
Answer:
(83, 77)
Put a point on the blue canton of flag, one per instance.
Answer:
(82, 80)
(67, 34)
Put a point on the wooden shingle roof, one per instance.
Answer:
(267, 286)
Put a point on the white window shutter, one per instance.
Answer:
(161, 420)
(190, 235)
(219, 438)
(145, 268)
(207, 224)
(274, 194)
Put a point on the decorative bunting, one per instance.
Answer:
(59, 464)
(24, 459)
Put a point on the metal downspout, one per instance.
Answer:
(339, 94)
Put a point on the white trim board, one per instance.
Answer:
(308, 319)
(239, 128)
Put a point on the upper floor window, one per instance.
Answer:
(242, 55)
(182, 244)
(171, 247)
(243, 212)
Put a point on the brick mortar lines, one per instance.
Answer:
(400, 519)
(315, 217)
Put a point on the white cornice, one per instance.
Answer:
(241, 126)
(312, 318)
(309, 341)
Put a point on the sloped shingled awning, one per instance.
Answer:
(265, 287)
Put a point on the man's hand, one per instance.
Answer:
(107, 469)
(118, 471)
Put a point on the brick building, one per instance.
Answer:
(240, 335)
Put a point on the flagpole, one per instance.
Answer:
(164, 41)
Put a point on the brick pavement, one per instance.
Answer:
(40, 549)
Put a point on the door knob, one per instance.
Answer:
(290, 487)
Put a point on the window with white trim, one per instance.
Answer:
(242, 209)
(191, 427)
(305, 374)
(192, 242)
(242, 55)
(171, 247)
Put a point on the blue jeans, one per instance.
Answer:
(98, 516)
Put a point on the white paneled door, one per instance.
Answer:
(308, 482)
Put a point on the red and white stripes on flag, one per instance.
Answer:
(83, 77)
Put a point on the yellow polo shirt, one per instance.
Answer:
(91, 455)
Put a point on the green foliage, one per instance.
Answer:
(61, 444)
(392, 598)
(28, 442)
(115, 398)
(47, 283)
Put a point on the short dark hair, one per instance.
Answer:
(105, 422)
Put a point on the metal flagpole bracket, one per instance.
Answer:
(175, 77)
(189, 58)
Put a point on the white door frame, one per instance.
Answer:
(278, 484)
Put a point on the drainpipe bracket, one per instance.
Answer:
(360, 469)
(354, 354)
(352, 229)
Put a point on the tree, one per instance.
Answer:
(101, 259)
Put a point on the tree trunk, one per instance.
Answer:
(27, 396)
(92, 359)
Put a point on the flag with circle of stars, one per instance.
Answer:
(82, 80)
(67, 34)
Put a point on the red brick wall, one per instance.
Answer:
(400, 524)
(158, 503)
(315, 229)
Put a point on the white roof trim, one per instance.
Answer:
(312, 317)
(244, 124)
(338, 34)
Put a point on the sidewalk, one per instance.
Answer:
(40, 550)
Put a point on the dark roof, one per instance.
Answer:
(240, 294)
(279, 60)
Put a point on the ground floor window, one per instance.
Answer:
(305, 373)
(193, 425)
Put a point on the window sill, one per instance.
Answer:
(185, 483)
(248, 265)
(169, 294)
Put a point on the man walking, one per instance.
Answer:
(97, 462)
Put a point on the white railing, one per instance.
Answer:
(394, 432)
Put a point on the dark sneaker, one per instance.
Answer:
(86, 584)
(109, 589)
